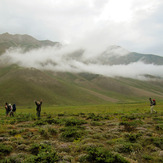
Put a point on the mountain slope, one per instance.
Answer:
(23, 86)
(113, 55)
(25, 42)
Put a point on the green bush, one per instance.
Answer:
(158, 142)
(13, 132)
(52, 131)
(42, 153)
(147, 157)
(71, 133)
(5, 149)
(101, 155)
(131, 125)
(43, 132)
(43, 157)
(40, 122)
(132, 137)
(95, 123)
(15, 158)
(94, 117)
(131, 117)
(53, 121)
(127, 147)
(74, 122)
(36, 148)
(159, 127)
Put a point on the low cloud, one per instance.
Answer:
(79, 59)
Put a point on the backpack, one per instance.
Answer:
(154, 102)
(14, 107)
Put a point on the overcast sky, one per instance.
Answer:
(136, 25)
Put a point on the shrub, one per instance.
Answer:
(53, 121)
(130, 125)
(132, 137)
(15, 158)
(158, 142)
(5, 149)
(147, 157)
(71, 133)
(61, 114)
(101, 155)
(131, 117)
(36, 148)
(43, 157)
(13, 132)
(127, 147)
(159, 127)
(74, 122)
(40, 122)
(52, 131)
(94, 117)
(43, 132)
(42, 153)
(95, 123)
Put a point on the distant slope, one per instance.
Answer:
(116, 55)
(25, 42)
(23, 86)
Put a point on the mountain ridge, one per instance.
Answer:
(22, 85)
(26, 42)
(113, 55)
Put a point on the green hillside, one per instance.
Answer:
(22, 86)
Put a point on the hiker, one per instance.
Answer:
(152, 104)
(7, 109)
(11, 110)
(38, 108)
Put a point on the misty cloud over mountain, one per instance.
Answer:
(74, 58)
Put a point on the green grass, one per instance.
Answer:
(97, 109)
(85, 133)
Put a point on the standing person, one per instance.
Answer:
(38, 107)
(152, 104)
(11, 110)
(7, 109)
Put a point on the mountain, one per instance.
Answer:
(25, 42)
(113, 55)
(116, 55)
(23, 85)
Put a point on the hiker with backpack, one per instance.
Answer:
(152, 104)
(7, 109)
(11, 110)
(38, 107)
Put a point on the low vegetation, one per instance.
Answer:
(96, 134)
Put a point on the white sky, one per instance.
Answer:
(136, 25)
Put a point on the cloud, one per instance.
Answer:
(133, 24)
(72, 59)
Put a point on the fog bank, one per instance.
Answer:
(80, 59)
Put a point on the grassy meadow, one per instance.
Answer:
(97, 109)
(115, 133)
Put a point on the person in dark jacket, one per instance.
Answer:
(38, 107)
(7, 109)
(152, 104)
